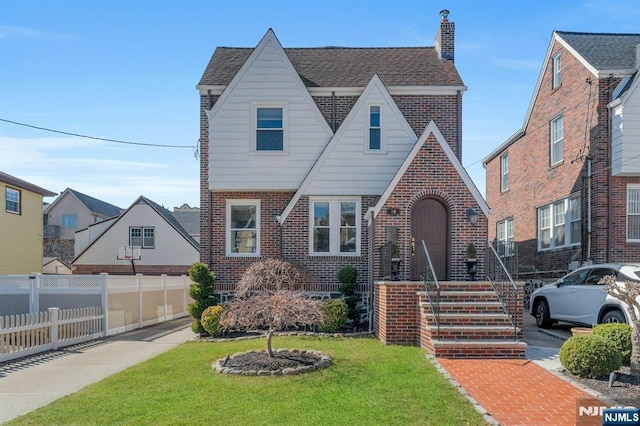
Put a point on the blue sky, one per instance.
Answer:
(127, 70)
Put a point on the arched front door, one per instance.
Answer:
(430, 222)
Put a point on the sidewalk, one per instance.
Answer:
(35, 381)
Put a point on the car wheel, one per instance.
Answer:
(613, 317)
(543, 320)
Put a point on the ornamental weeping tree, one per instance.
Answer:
(270, 295)
(629, 293)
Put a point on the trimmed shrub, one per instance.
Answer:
(589, 356)
(201, 291)
(619, 335)
(210, 320)
(348, 276)
(333, 315)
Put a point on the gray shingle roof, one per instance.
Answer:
(346, 67)
(171, 219)
(97, 206)
(604, 51)
(190, 220)
(12, 180)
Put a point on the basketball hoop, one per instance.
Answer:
(129, 254)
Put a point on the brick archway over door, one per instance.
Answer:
(430, 222)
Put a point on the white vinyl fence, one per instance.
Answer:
(44, 312)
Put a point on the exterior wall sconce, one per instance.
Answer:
(472, 216)
(393, 211)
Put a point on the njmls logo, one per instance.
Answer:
(621, 416)
(589, 411)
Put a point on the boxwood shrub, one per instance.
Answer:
(333, 315)
(210, 320)
(619, 335)
(589, 356)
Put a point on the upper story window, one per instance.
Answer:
(70, 221)
(243, 228)
(334, 226)
(504, 172)
(504, 234)
(142, 236)
(557, 68)
(269, 129)
(633, 213)
(559, 223)
(375, 143)
(557, 141)
(12, 200)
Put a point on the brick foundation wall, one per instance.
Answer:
(173, 270)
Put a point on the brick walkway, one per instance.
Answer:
(520, 392)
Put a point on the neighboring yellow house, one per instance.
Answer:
(21, 225)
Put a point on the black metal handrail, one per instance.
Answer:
(504, 286)
(431, 285)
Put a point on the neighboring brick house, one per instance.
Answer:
(69, 212)
(21, 225)
(322, 155)
(164, 245)
(565, 188)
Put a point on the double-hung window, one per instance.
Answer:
(142, 236)
(69, 221)
(12, 200)
(560, 223)
(334, 226)
(243, 228)
(505, 238)
(557, 68)
(633, 213)
(375, 141)
(557, 141)
(504, 172)
(269, 129)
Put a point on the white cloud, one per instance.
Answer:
(13, 31)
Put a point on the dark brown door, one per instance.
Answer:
(430, 222)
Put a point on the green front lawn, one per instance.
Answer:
(367, 384)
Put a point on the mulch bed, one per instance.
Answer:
(625, 390)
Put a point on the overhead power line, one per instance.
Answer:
(193, 147)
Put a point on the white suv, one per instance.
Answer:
(579, 298)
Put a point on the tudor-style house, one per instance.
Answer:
(318, 155)
(565, 188)
(332, 157)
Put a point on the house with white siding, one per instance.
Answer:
(163, 245)
(325, 156)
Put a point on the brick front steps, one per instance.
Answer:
(473, 322)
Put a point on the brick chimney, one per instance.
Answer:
(445, 37)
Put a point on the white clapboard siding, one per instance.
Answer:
(348, 167)
(268, 78)
(625, 146)
(171, 247)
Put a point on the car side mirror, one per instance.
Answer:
(559, 283)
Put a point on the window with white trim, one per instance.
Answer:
(557, 140)
(504, 172)
(12, 200)
(243, 228)
(142, 236)
(560, 223)
(633, 213)
(504, 234)
(375, 141)
(269, 129)
(334, 226)
(557, 68)
(69, 221)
